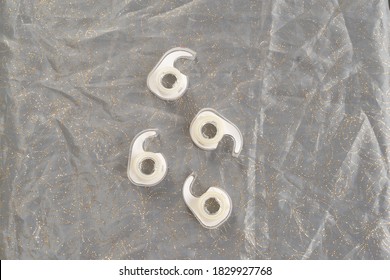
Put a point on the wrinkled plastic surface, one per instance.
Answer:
(307, 83)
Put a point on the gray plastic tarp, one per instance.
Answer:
(307, 83)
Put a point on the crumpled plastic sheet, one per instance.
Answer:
(307, 82)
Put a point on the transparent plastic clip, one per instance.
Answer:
(166, 81)
(145, 168)
(212, 208)
(208, 128)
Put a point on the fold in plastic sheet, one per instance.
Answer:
(307, 82)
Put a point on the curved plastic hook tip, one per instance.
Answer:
(187, 187)
(139, 140)
(235, 133)
(170, 57)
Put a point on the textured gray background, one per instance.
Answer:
(307, 82)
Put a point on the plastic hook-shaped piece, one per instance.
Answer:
(208, 128)
(212, 208)
(166, 81)
(145, 168)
